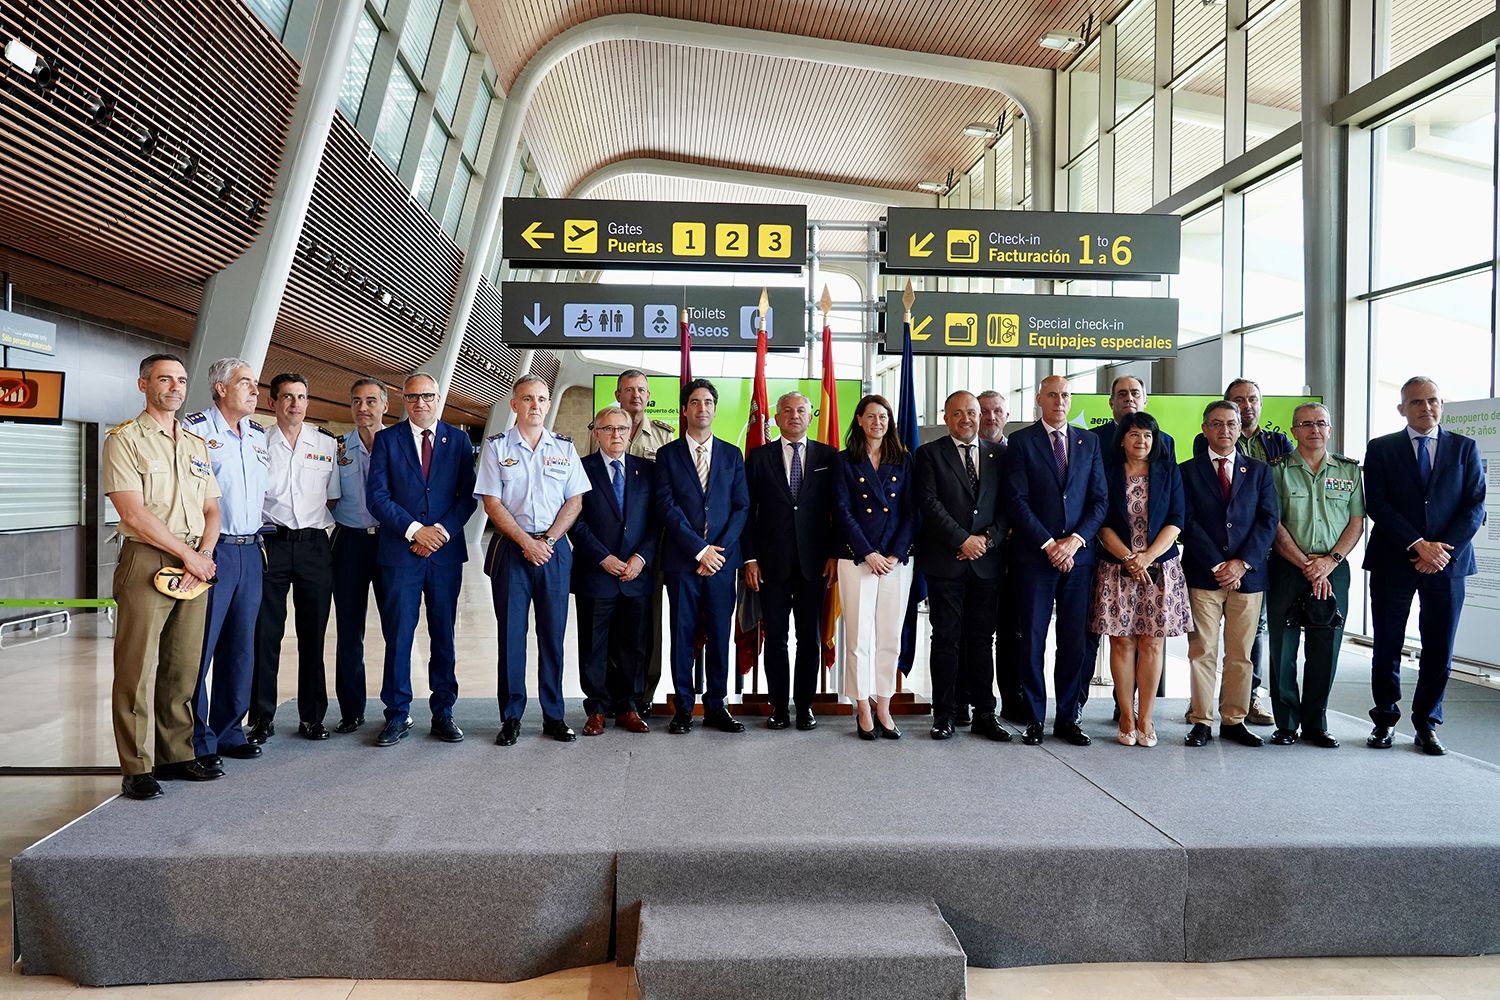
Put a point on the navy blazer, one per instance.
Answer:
(862, 526)
(1450, 510)
(949, 512)
(1109, 443)
(1041, 505)
(1242, 529)
(397, 495)
(1165, 505)
(781, 534)
(603, 530)
(686, 510)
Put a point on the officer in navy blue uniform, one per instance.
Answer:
(237, 449)
(356, 550)
(615, 540)
(531, 482)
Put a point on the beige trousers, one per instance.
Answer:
(1234, 616)
(161, 638)
(874, 609)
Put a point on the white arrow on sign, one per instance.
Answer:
(536, 322)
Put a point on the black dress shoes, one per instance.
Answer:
(1428, 743)
(1200, 735)
(347, 726)
(962, 716)
(781, 718)
(1320, 738)
(1379, 738)
(139, 786)
(1283, 738)
(942, 727)
(1241, 734)
(245, 751)
(891, 733)
(509, 730)
(989, 727)
(187, 770)
(260, 731)
(1033, 735)
(312, 731)
(720, 719)
(643, 709)
(445, 729)
(558, 730)
(211, 761)
(865, 734)
(393, 732)
(1070, 733)
(805, 719)
(682, 722)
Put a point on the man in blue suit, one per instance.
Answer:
(614, 551)
(703, 503)
(1058, 498)
(1424, 492)
(1232, 513)
(421, 490)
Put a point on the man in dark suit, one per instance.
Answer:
(1232, 513)
(1424, 492)
(960, 538)
(421, 490)
(703, 503)
(993, 415)
(1057, 499)
(614, 550)
(786, 550)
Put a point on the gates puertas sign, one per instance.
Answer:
(1033, 326)
(1106, 246)
(572, 232)
(646, 317)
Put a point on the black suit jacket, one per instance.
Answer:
(783, 536)
(950, 511)
(601, 530)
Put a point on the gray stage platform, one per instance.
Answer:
(477, 862)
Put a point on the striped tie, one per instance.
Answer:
(702, 462)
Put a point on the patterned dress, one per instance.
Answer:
(1124, 607)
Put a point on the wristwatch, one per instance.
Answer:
(1337, 557)
(551, 542)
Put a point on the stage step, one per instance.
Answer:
(806, 951)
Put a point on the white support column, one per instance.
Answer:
(240, 303)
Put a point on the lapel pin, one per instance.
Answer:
(445, 439)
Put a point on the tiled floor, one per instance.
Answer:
(55, 695)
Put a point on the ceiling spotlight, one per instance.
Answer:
(984, 130)
(186, 166)
(23, 58)
(225, 190)
(147, 139)
(102, 110)
(385, 298)
(1062, 41)
(252, 214)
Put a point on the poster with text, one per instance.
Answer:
(1480, 622)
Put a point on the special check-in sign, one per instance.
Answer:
(1032, 244)
(587, 314)
(1033, 326)
(569, 232)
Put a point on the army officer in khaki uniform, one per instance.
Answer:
(157, 474)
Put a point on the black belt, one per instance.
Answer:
(363, 531)
(239, 539)
(294, 534)
(539, 535)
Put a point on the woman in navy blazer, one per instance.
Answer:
(1140, 592)
(875, 523)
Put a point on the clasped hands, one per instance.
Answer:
(1060, 552)
(1138, 566)
(1228, 574)
(1432, 557)
(626, 570)
(428, 539)
(1316, 570)
(197, 567)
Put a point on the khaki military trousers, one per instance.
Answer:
(1234, 616)
(160, 639)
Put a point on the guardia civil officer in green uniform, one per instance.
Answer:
(1322, 519)
(159, 477)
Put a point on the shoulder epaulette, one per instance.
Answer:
(663, 425)
(117, 428)
(190, 434)
(259, 427)
(196, 418)
(1278, 460)
(562, 437)
(1343, 458)
(495, 437)
(325, 430)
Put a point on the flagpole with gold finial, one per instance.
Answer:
(908, 298)
(825, 304)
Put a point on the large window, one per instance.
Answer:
(1135, 58)
(1083, 103)
(1198, 121)
(478, 118)
(417, 32)
(1409, 26)
(1440, 330)
(395, 116)
(1199, 288)
(1273, 248)
(352, 93)
(1273, 356)
(1273, 95)
(425, 183)
(272, 13)
(1004, 147)
(1083, 182)
(1134, 143)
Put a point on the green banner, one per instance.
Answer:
(1182, 416)
(732, 416)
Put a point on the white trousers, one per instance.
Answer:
(874, 608)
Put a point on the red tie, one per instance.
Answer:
(1224, 477)
(427, 453)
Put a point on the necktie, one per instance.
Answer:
(1223, 477)
(702, 462)
(426, 453)
(619, 483)
(795, 480)
(1060, 453)
(1424, 460)
(969, 467)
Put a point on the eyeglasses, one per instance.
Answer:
(1321, 425)
(1222, 425)
(420, 397)
(614, 428)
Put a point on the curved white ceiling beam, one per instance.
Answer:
(1029, 87)
(787, 183)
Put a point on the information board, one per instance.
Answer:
(1033, 326)
(27, 334)
(571, 232)
(29, 396)
(588, 314)
(1480, 622)
(1106, 246)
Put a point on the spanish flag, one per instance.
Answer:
(828, 433)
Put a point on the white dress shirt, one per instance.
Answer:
(302, 477)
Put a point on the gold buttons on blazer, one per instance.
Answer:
(861, 478)
(868, 511)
